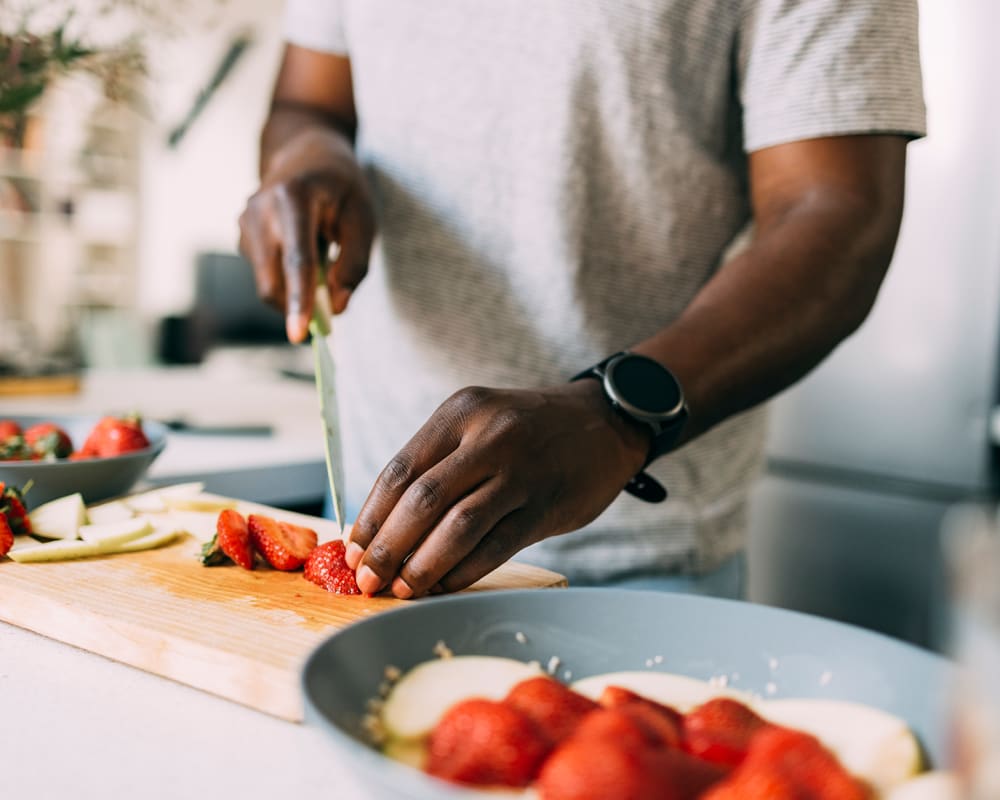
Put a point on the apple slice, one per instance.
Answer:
(114, 511)
(158, 538)
(677, 691)
(422, 695)
(870, 743)
(69, 549)
(114, 531)
(60, 518)
(937, 785)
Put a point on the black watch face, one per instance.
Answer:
(645, 385)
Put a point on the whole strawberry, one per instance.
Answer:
(6, 536)
(485, 743)
(8, 430)
(662, 723)
(14, 448)
(113, 436)
(12, 508)
(48, 440)
(284, 545)
(327, 567)
(555, 709)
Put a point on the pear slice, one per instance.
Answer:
(114, 511)
(677, 691)
(870, 743)
(60, 518)
(69, 549)
(937, 785)
(426, 692)
(131, 528)
(158, 538)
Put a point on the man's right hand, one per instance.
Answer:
(312, 194)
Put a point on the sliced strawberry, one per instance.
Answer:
(48, 440)
(6, 536)
(554, 708)
(12, 506)
(660, 721)
(284, 545)
(233, 537)
(586, 767)
(485, 743)
(784, 764)
(720, 731)
(327, 567)
(8, 429)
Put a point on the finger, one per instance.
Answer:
(497, 547)
(299, 223)
(455, 536)
(261, 250)
(355, 231)
(424, 502)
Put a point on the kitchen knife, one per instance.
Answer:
(326, 388)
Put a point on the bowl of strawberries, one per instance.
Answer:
(609, 694)
(99, 457)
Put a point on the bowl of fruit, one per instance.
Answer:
(99, 457)
(605, 694)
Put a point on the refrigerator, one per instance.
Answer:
(900, 423)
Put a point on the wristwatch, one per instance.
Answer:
(646, 392)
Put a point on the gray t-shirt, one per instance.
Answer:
(554, 181)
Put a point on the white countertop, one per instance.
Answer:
(284, 468)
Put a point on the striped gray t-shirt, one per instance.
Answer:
(555, 180)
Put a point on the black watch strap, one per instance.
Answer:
(642, 485)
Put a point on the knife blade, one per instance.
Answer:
(320, 328)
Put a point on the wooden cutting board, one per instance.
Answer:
(240, 634)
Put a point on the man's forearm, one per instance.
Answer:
(288, 120)
(772, 313)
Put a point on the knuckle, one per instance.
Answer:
(397, 473)
(417, 577)
(465, 521)
(425, 494)
(379, 557)
(509, 420)
(467, 400)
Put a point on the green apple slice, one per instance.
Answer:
(870, 743)
(422, 695)
(677, 691)
(69, 549)
(114, 511)
(115, 531)
(60, 518)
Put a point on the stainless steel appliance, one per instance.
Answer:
(868, 452)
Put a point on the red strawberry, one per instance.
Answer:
(233, 537)
(113, 436)
(586, 767)
(48, 439)
(720, 731)
(327, 567)
(284, 545)
(554, 708)
(485, 743)
(789, 765)
(12, 507)
(6, 536)
(660, 721)
(9, 429)
(612, 725)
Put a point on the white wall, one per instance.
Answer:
(192, 196)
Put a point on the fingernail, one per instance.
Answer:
(368, 581)
(296, 327)
(340, 300)
(402, 589)
(353, 555)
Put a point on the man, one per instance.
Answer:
(554, 183)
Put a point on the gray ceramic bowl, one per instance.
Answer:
(95, 478)
(593, 631)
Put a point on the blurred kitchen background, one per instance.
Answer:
(117, 251)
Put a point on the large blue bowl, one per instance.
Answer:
(95, 478)
(591, 631)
